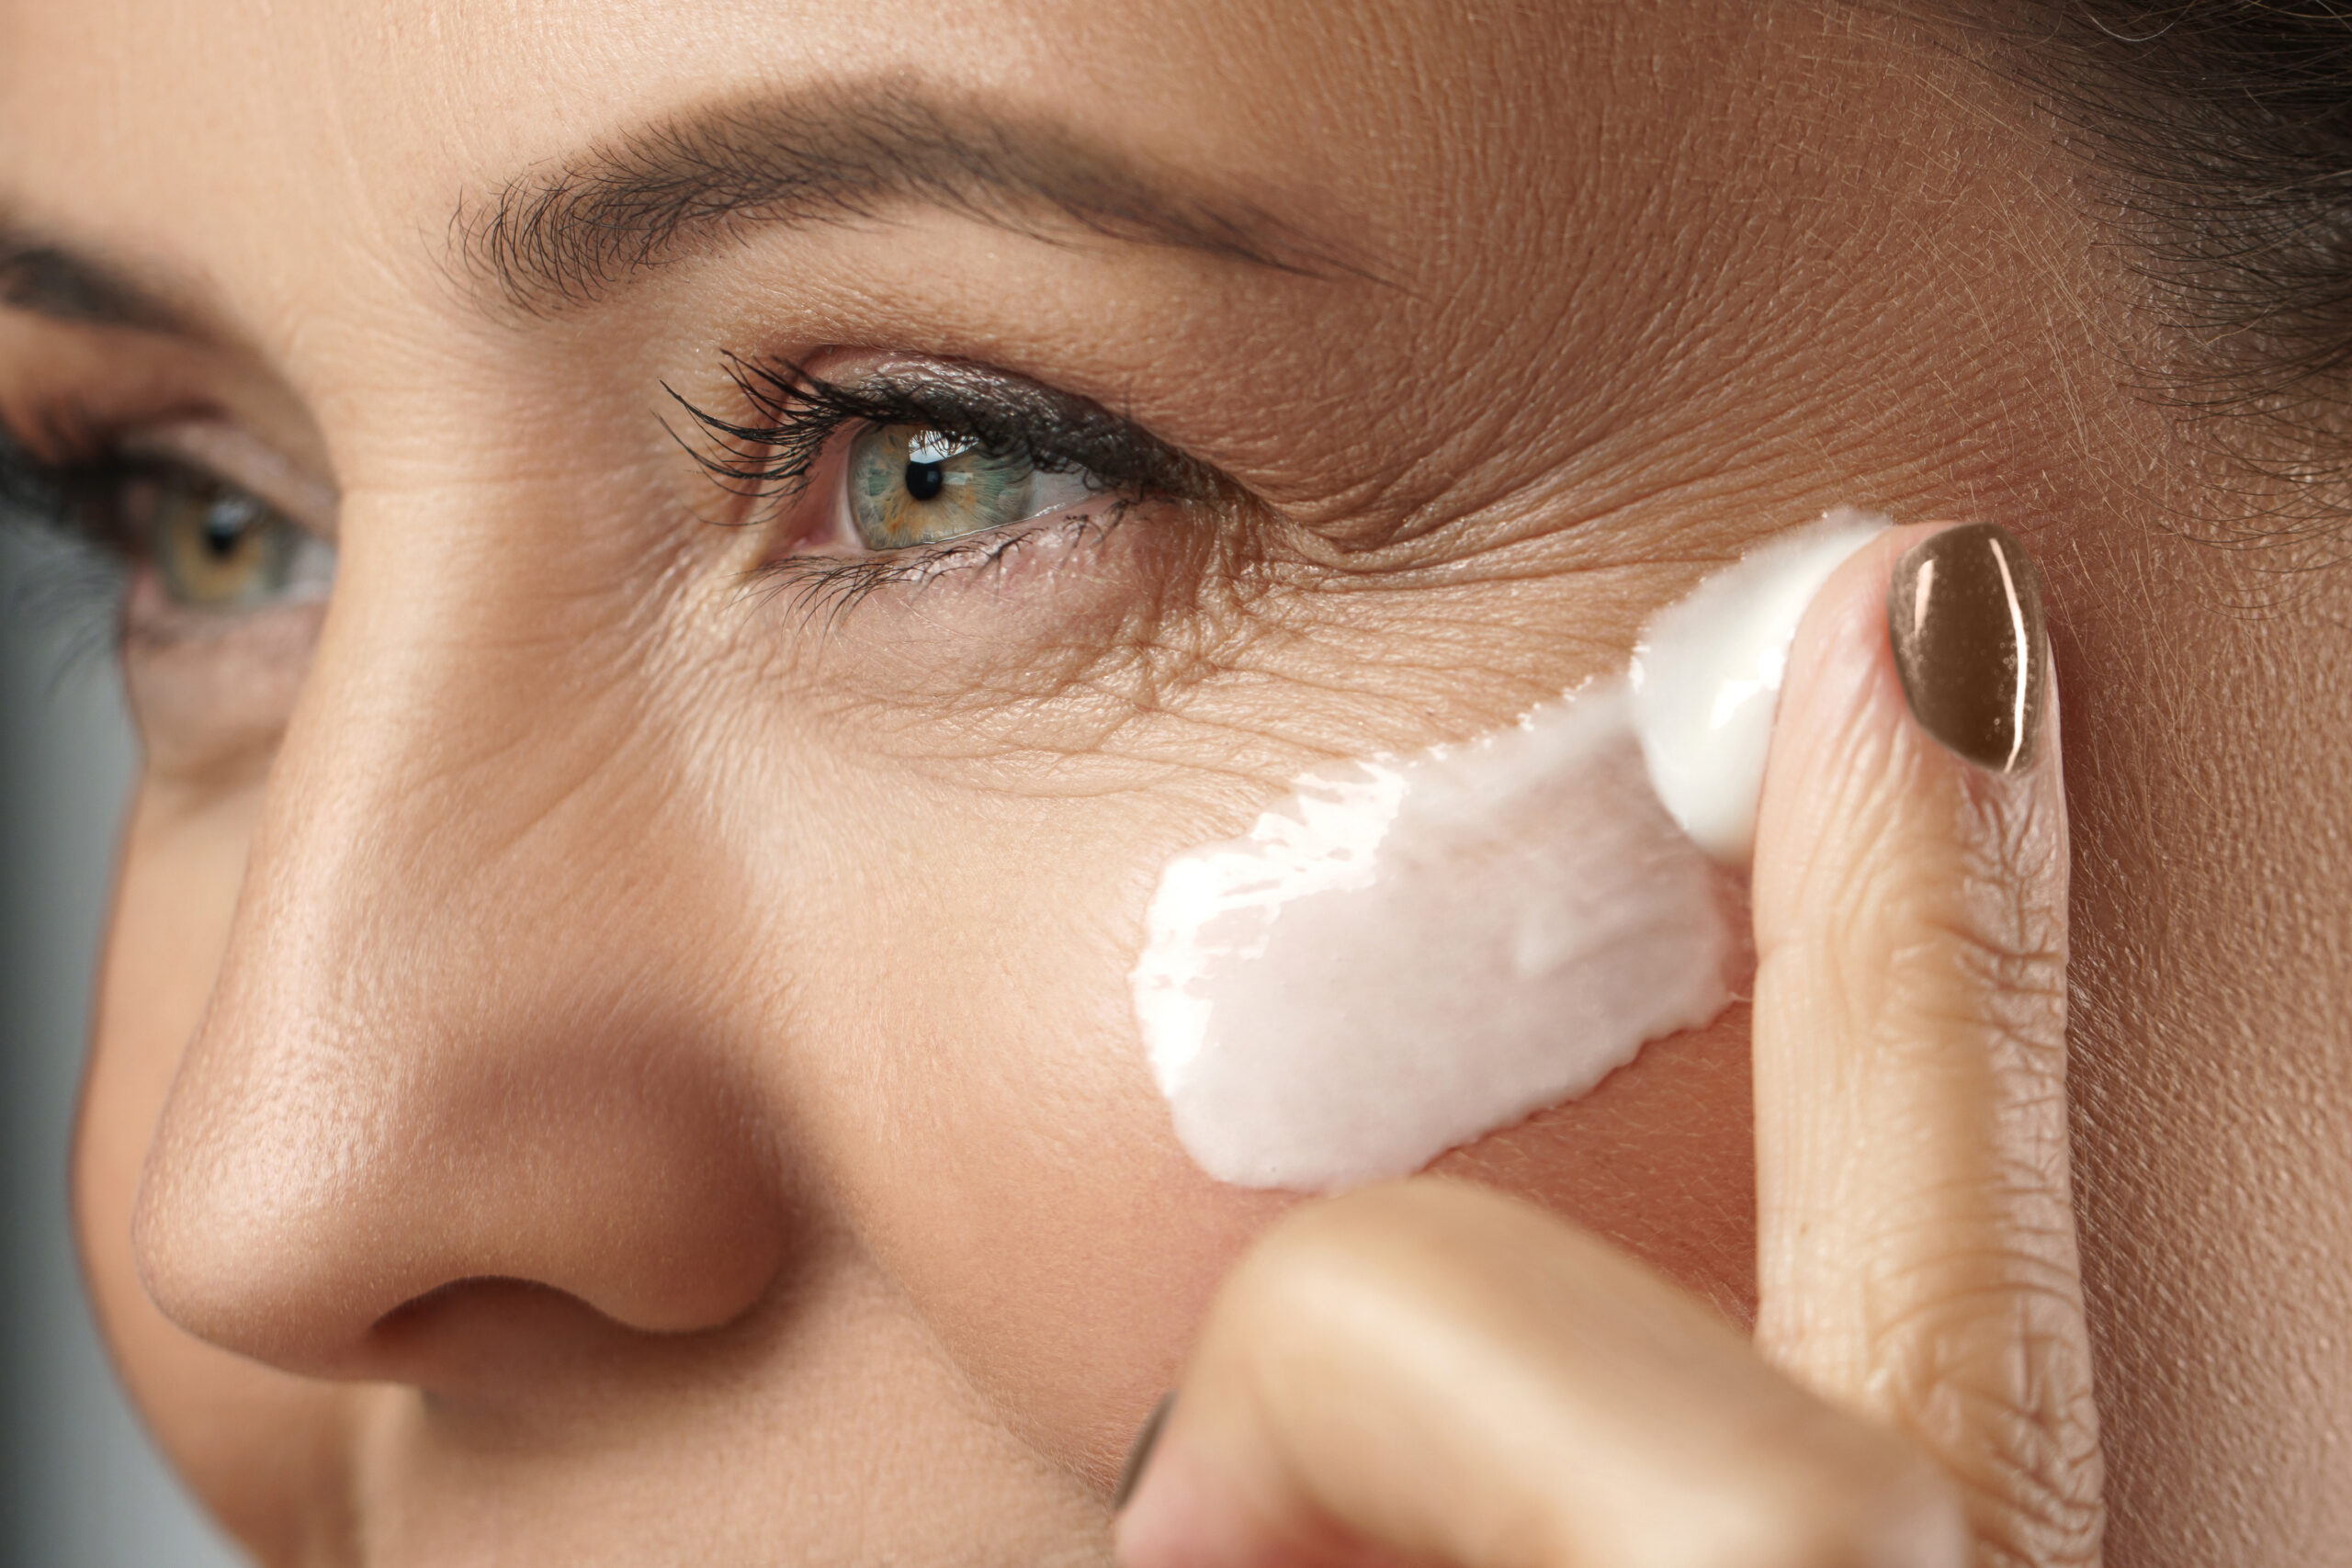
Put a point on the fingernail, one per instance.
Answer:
(1970, 643)
(1139, 1455)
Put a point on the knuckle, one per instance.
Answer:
(2017, 956)
(1988, 911)
(2002, 1399)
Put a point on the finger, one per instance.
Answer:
(1432, 1372)
(1917, 1247)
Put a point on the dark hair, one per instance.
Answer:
(2222, 132)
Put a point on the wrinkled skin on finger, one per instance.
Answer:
(654, 1076)
(1917, 1251)
(1427, 1372)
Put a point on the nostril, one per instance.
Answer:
(429, 1313)
(346, 1257)
(492, 1340)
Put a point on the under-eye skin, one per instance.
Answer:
(907, 473)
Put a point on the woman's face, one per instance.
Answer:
(616, 1043)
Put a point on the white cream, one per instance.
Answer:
(1410, 952)
(1707, 673)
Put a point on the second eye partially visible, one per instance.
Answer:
(222, 526)
(219, 548)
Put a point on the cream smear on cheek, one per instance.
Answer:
(1408, 953)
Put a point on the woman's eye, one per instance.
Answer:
(909, 485)
(217, 547)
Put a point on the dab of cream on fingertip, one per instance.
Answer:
(1706, 678)
(1408, 953)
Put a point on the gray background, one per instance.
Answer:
(79, 1484)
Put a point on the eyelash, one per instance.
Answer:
(60, 500)
(770, 457)
(63, 497)
(73, 567)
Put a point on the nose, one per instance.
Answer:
(470, 1028)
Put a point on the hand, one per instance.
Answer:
(1432, 1372)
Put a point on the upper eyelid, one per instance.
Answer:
(234, 455)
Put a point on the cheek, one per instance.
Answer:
(1660, 1159)
(253, 1444)
(980, 1106)
(993, 1128)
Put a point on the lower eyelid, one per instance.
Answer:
(819, 588)
(212, 693)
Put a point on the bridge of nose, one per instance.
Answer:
(472, 1022)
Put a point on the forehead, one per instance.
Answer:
(254, 144)
(1586, 229)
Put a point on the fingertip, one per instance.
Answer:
(1933, 632)
(1161, 1510)
(1140, 1453)
(1838, 725)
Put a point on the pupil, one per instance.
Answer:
(224, 530)
(925, 481)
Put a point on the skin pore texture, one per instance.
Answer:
(604, 1058)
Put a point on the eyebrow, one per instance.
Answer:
(567, 235)
(49, 279)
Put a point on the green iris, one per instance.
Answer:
(909, 485)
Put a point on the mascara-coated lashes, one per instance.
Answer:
(31, 490)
